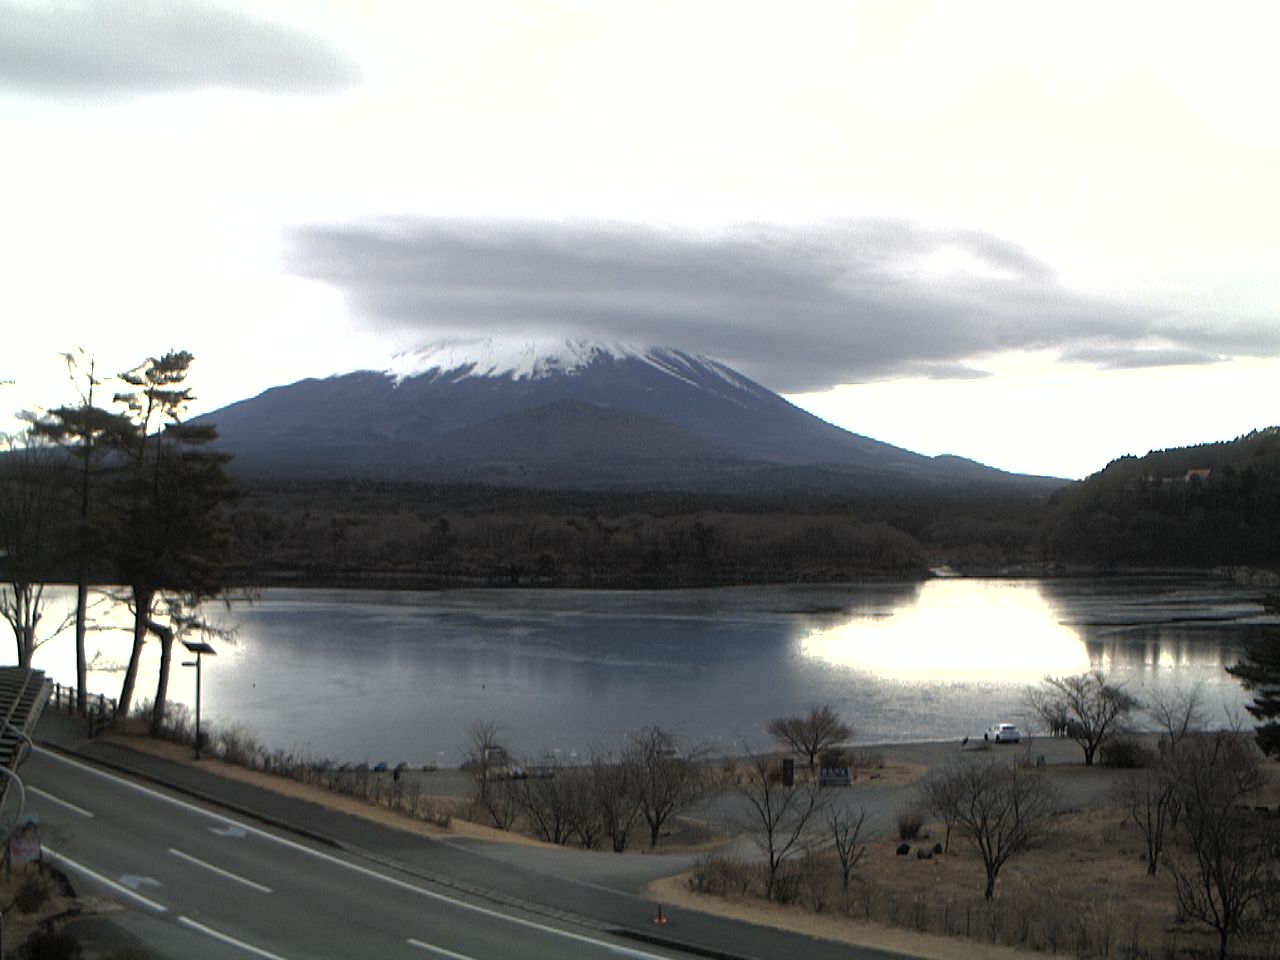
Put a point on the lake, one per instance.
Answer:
(372, 675)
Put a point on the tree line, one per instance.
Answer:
(352, 533)
(1156, 511)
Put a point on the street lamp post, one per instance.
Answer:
(199, 648)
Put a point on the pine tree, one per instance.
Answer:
(89, 434)
(1259, 673)
(170, 544)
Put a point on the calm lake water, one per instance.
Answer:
(361, 675)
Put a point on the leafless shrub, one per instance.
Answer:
(910, 823)
(724, 877)
(1126, 753)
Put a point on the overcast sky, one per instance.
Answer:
(1040, 236)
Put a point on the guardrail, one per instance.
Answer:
(101, 710)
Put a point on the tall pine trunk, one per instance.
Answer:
(82, 665)
(162, 686)
(143, 598)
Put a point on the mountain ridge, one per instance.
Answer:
(692, 418)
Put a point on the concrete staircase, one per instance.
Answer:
(23, 694)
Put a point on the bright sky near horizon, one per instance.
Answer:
(1041, 236)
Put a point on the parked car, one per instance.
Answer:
(1002, 733)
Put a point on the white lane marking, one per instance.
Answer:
(133, 881)
(60, 802)
(227, 939)
(439, 951)
(117, 887)
(365, 871)
(463, 905)
(146, 790)
(219, 871)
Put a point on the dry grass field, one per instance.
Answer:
(1084, 891)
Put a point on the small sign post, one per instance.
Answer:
(24, 841)
(834, 777)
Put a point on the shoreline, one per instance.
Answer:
(378, 581)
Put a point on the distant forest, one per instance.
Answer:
(353, 532)
(1209, 505)
(1197, 507)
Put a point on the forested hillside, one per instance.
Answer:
(416, 534)
(1206, 505)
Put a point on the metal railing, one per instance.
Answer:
(100, 709)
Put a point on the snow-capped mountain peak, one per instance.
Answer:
(531, 359)
(507, 357)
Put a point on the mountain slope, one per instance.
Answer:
(454, 407)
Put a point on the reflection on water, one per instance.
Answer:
(957, 630)
(365, 675)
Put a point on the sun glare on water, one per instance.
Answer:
(957, 630)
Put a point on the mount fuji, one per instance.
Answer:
(562, 413)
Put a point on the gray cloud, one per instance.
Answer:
(953, 371)
(125, 47)
(1128, 357)
(798, 308)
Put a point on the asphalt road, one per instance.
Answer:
(229, 888)
(195, 882)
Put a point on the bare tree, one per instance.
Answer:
(1152, 803)
(1000, 808)
(942, 795)
(30, 514)
(1224, 867)
(778, 819)
(585, 820)
(502, 803)
(1178, 711)
(485, 753)
(615, 783)
(1090, 708)
(845, 829)
(812, 733)
(550, 804)
(667, 782)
